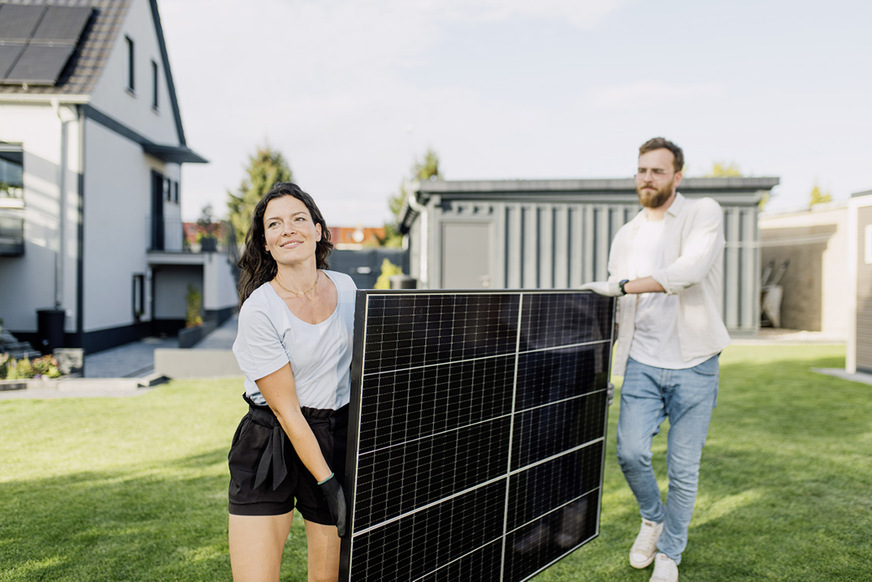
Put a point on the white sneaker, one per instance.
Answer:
(665, 569)
(645, 546)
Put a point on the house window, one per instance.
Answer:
(11, 171)
(138, 296)
(176, 192)
(154, 85)
(168, 190)
(131, 78)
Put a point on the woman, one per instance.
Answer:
(294, 348)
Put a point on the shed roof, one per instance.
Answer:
(739, 190)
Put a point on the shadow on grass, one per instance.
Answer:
(168, 523)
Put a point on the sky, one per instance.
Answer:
(352, 92)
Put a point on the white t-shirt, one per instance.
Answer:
(270, 336)
(655, 341)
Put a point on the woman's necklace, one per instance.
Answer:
(299, 293)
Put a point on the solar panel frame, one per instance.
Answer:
(461, 374)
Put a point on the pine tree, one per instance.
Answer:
(265, 168)
(426, 169)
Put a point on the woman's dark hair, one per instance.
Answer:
(256, 264)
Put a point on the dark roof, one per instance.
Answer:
(86, 64)
(89, 58)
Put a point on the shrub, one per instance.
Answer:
(24, 369)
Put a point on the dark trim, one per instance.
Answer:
(166, 326)
(219, 316)
(96, 341)
(167, 153)
(161, 43)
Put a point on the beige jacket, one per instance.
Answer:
(694, 246)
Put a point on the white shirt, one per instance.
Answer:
(691, 269)
(270, 336)
(655, 341)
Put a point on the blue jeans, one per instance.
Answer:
(687, 397)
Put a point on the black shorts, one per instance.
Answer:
(266, 475)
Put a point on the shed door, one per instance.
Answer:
(466, 255)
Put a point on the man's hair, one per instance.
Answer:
(657, 143)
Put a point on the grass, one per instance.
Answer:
(135, 488)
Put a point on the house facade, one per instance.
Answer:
(91, 151)
(556, 234)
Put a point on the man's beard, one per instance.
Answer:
(654, 198)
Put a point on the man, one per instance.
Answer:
(666, 266)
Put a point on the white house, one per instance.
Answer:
(91, 148)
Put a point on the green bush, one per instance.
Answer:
(388, 270)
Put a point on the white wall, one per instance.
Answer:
(33, 282)
(135, 110)
(218, 282)
(117, 204)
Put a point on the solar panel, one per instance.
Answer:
(37, 41)
(9, 54)
(478, 425)
(62, 24)
(17, 22)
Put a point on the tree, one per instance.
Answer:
(731, 170)
(816, 196)
(426, 169)
(265, 168)
(388, 270)
(724, 170)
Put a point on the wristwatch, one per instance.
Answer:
(621, 284)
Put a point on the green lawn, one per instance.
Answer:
(135, 488)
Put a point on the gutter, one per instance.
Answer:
(64, 117)
(412, 188)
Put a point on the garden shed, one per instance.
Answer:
(555, 234)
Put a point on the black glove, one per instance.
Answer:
(332, 490)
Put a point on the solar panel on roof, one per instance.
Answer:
(478, 425)
(37, 41)
(62, 24)
(39, 64)
(9, 54)
(17, 22)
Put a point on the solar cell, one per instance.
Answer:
(39, 64)
(37, 41)
(477, 432)
(17, 22)
(9, 54)
(62, 24)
